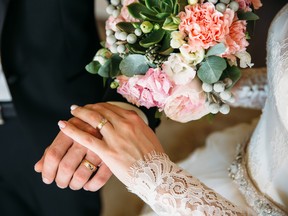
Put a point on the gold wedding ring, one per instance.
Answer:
(89, 165)
(102, 123)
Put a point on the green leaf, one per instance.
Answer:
(151, 4)
(114, 67)
(126, 27)
(93, 67)
(135, 10)
(211, 70)
(136, 48)
(247, 15)
(179, 6)
(162, 16)
(134, 64)
(153, 38)
(111, 67)
(234, 73)
(149, 17)
(166, 49)
(104, 69)
(216, 50)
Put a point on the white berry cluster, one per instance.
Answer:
(221, 5)
(118, 39)
(218, 96)
(114, 8)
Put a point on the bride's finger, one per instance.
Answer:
(91, 142)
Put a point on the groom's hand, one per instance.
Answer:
(62, 162)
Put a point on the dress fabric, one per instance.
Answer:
(241, 170)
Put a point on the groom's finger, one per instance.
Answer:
(99, 179)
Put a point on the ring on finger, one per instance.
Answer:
(89, 165)
(102, 123)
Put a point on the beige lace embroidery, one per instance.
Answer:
(170, 190)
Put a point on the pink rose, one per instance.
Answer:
(236, 41)
(204, 25)
(147, 90)
(186, 102)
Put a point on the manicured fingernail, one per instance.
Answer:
(73, 107)
(46, 181)
(61, 124)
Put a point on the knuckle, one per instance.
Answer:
(79, 178)
(65, 167)
(53, 155)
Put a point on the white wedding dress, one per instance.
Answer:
(242, 170)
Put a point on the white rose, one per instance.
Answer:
(178, 70)
(177, 39)
(193, 58)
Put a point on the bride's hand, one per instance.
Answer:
(126, 138)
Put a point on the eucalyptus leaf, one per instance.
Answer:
(114, 67)
(93, 67)
(211, 70)
(134, 64)
(216, 50)
(247, 15)
(104, 69)
(153, 38)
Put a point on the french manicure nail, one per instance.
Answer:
(73, 107)
(61, 124)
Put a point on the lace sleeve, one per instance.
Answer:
(251, 90)
(170, 190)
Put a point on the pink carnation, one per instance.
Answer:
(204, 25)
(147, 90)
(236, 39)
(187, 102)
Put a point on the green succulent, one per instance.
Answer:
(162, 15)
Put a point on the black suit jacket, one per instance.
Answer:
(45, 47)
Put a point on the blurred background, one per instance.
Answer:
(178, 139)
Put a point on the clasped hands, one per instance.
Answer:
(114, 147)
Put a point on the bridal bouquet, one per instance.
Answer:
(180, 56)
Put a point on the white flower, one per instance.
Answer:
(245, 59)
(192, 2)
(102, 56)
(178, 70)
(193, 58)
(177, 39)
